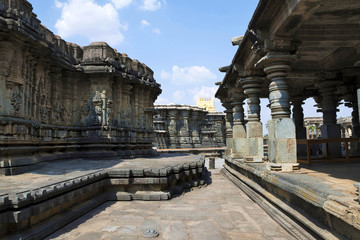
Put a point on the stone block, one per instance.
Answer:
(255, 147)
(239, 147)
(281, 128)
(283, 167)
(282, 150)
(253, 129)
(239, 131)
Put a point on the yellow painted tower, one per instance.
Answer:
(207, 103)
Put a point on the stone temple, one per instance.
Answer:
(78, 125)
(183, 126)
(62, 101)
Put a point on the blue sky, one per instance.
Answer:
(183, 41)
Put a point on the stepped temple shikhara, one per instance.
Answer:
(62, 101)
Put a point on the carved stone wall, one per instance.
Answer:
(183, 126)
(61, 101)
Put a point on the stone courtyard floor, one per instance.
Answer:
(217, 211)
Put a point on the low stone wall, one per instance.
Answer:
(38, 212)
(59, 100)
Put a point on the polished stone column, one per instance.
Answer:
(298, 115)
(239, 131)
(329, 103)
(282, 140)
(255, 142)
(229, 128)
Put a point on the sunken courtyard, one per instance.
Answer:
(85, 153)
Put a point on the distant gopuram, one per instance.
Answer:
(62, 101)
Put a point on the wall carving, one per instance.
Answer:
(61, 97)
(183, 126)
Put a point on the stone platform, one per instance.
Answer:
(35, 204)
(215, 212)
(207, 152)
(321, 197)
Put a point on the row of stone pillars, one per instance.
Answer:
(246, 142)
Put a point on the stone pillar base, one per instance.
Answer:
(253, 159)
(239, 146)
(283, 167)
(331, 131)
(239, 141)
(354, 148)
(255, 149)
(229, 145)
(282, 141)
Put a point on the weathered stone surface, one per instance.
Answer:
(229, 215)
(34, 198)
(62, 101)
(183, 126)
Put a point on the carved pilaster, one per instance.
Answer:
(172, 128)
(194, 117)
(184, 130)
(126, 105)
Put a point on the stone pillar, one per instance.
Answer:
(298, 115)
(239, 131)
(172, 129)
(282, 140)
(184, 130)
(255, 142)
(229, 128)
(358, 101)
(330, 129)
(355, 120)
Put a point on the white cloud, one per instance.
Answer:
(178, 95)
(121, 3)
(88, 19)
(165, 75)
(144, 23)
(151, 5)
(161, 101)
(203, 91)
(186, 75)
(156, 30)
(58, 4)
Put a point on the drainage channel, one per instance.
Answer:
(299, 229)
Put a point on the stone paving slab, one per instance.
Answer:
(218, 211)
